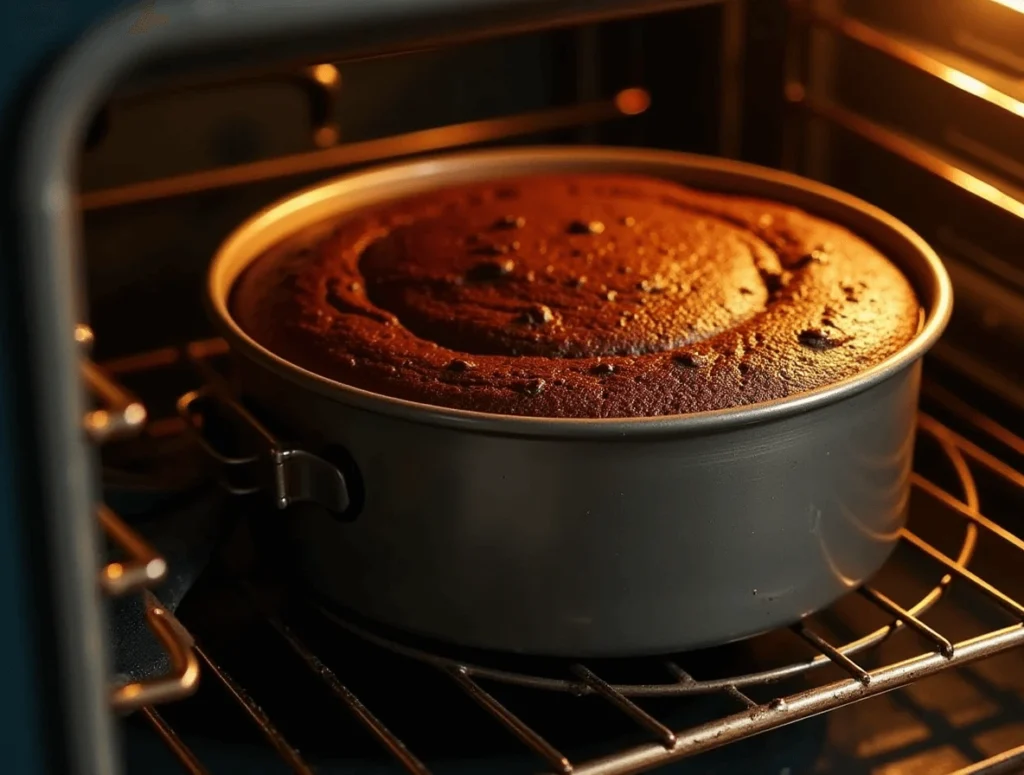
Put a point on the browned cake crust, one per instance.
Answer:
(579, 296)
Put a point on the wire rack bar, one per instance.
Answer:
(183, 678)
(627, 706)
(910, 151)
(837, 657)
(181, 752)
(528, 736)
(799, 706)
(979, 583)
(943, 644)
(976, 453)
(670, 745)
(288, 754)
(961, 508)
(376, 727)
(730, 690)
(1006, 763)
(977, 419)
(628, 102)
(883, 43)
(145, 568)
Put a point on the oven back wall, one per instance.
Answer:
(145, 262)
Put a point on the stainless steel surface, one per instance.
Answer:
(806, 494)
(909, 617)
(293, 475)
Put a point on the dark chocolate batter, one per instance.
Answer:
(579, 296)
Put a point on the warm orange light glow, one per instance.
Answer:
(973, 86)
(1013, 5)
(985, 190)
(326, 136)
(910, 55)
(915, 154)
(632, 102)
(327, 75)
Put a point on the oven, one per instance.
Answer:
(147, 627)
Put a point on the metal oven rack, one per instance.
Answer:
(48, 203)
(120, 414)
(750, 717)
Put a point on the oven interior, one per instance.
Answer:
(915, 106)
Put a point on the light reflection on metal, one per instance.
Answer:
(326, 136)
(182, 752)
(799, 706)
(373, 725)
(628, 102)
(632, 102)
(969, 496)
(288, 753)
(971, 414)
(1005, 763)
(988, 93)
(908, 55)
(979, 455)
(913, 153)
(183, 678)
(513, 723)
(84, 337)
(145, 567)
(121, 414)
(1013, 5)
(326, 75)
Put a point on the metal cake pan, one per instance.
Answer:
(594, 537)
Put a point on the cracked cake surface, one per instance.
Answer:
(579, 296)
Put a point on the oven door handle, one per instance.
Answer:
(294, 475)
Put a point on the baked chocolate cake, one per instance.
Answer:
(579, 296)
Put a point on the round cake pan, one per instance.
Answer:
(602, 537)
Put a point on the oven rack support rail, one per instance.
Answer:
(804, 100)
(667, 745)
(119, 415)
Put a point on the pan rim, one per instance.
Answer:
(314, 204)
